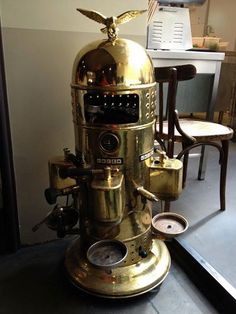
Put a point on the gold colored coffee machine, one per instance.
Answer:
(115, 175)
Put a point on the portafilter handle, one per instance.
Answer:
(38, 225)
(51, 194)
(61, 219)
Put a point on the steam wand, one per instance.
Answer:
(145, 193)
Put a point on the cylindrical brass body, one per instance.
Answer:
(123, 80)
(114, 100)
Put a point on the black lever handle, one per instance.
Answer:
(78, 162)
(51, 195)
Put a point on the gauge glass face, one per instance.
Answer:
(106, 256)
(109, 142)
(107, 253)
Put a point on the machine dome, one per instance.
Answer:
(120, 64)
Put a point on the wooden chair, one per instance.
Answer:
(189, 132)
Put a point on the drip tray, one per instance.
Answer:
(169, 225)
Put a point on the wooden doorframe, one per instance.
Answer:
(9, 224)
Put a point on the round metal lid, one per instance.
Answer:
(169, 224)
(107, 253)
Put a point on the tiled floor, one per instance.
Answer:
(212, 233)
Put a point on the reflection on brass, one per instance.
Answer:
(114, 67)
(107, 202)
(113, 103)
(111, 22)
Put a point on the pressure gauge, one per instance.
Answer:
(109, 142)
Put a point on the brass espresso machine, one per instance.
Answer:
(115, 174)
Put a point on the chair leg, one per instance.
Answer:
(167, 206)
(185, 165)
(220, 117)
(223, 172)
(202, 163)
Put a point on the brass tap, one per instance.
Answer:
(107, 173)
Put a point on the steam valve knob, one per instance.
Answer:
(51, 195)
(142, 252)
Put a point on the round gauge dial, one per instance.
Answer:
(107, 253)
(109, 142)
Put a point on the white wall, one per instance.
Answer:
(62, 15)
(222, 18)
(198, 16)
(41, 39)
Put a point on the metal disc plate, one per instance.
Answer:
(107, 253)
(169, 224)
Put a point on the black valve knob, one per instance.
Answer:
(142, 252)
(51, 195)
(75, 160)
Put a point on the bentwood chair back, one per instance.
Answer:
(191, 133)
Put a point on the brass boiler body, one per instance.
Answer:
(114, 100)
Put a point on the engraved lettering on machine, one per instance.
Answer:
(109, 161)
(146, 155)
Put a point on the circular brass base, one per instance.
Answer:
(120, 282)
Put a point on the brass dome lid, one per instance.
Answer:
(122, 64)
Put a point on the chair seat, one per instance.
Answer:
(200, 130)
